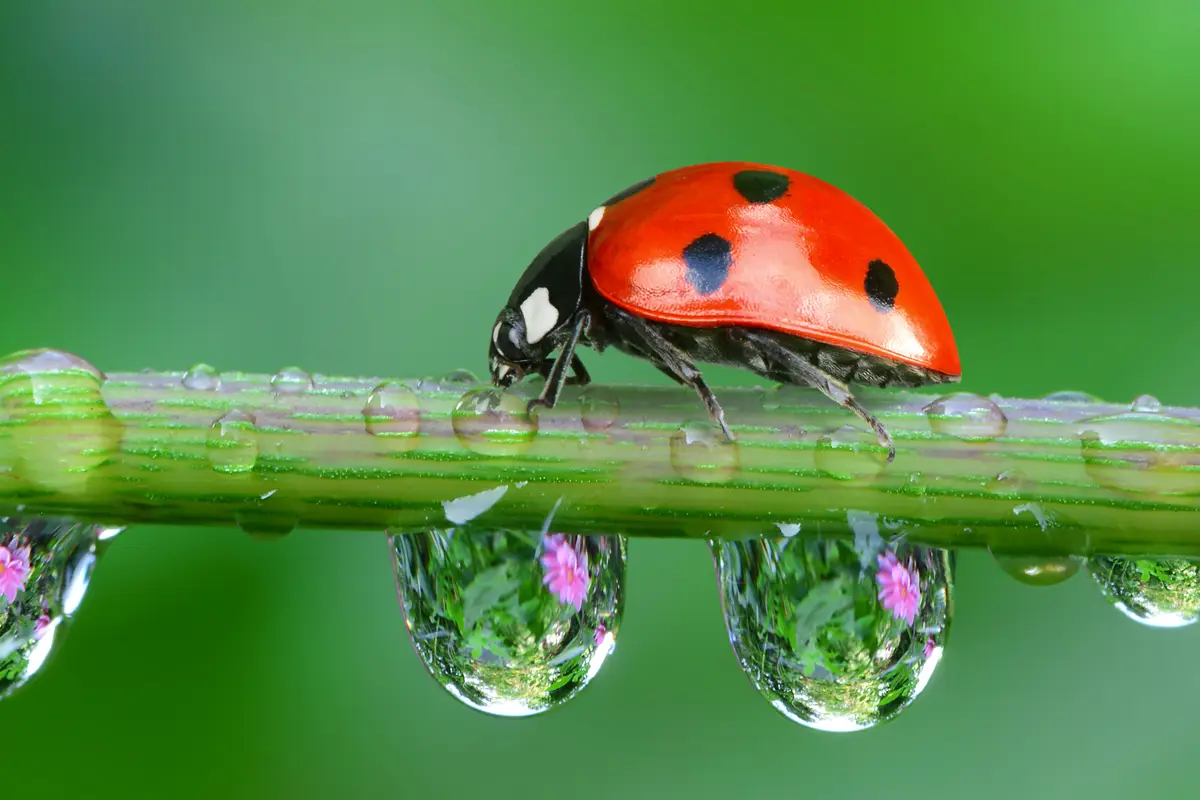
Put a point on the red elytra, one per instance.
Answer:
(798, 264)
(738, 263)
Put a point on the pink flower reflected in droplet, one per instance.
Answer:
(566, 570)
(899, 591)
(601, 632)
(14, 570)
(40, 627)
(929, 646)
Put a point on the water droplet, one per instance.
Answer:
(599, 409)
(264, 525)
(850, 453)
(1142, 453)
(966, 416)
(1072, 397)
(1145, 403)
(60, 431)
(291, 380)
(48, 565)
(493, 422)
(233, 443)
(393, 410)
(700, 452)
(1039, 570)
(1159, 592)
(830, 645)
(460, 376)
(1011, 481)
(492, 630)
(202, 378)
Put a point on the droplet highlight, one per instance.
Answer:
(45, 568)
(832, 644)
(233, 443)
(491, 421)
(510, 623)
(393, 411)
(1156, 592)
(700, 452)
(849, 454)
(1142, 453)
(599, 409)
(202, 378)
(291, 380)
(966, 416)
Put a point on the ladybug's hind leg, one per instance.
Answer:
(675, 363)
(803, 371)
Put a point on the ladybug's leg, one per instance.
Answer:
(581, 376)
(805, 372)
(676, 363)
(558, 373)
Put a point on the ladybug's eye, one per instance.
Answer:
(507, 340)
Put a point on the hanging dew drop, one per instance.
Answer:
(233, 443)
(510, 623)
(1156, 592)
(202, 378)
(830, 644)
(45, 568)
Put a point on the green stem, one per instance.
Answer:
(1055, 475)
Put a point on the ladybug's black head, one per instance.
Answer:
(511, 356)
(541, 310)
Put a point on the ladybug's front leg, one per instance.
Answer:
(557, 378)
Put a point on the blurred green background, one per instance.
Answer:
(354, 188)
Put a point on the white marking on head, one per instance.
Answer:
(595, 217)
(503, 370)
(496, 334)
(540, 315)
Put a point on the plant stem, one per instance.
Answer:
(1056, 475)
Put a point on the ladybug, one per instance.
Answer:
(733, 263)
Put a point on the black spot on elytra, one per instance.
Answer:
(760, 185)
(708, 259)
(627, 193)
(881, 285)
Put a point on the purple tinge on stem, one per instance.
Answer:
(14, 569)
(566, 570)
(899, 591)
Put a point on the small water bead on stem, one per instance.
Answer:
(233, 443)
(1079, 398)
(202, 378)
(1146, 404)
(291, 380)
(966, 416)
(460, 377)
(599, 409)
(701, 453)
(850, 453)
(1156, 592)
(837, 637)
(1142, 452)
(510, 623)
(55, 427)
(493, 422)
(393, 411)
(45, 568)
